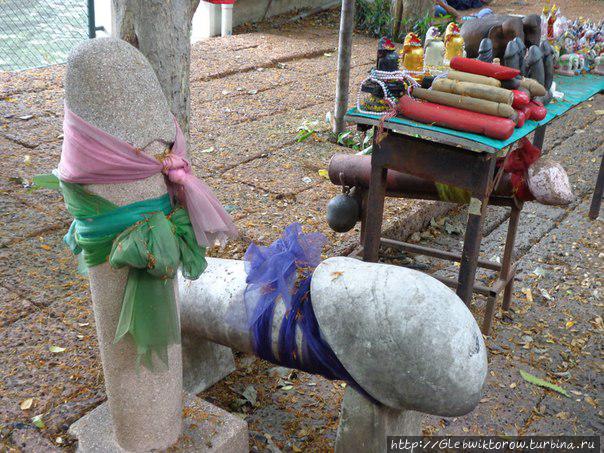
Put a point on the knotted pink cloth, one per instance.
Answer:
(92, 156)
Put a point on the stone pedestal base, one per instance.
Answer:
(206, 428)
(365, 426)
(204, 363)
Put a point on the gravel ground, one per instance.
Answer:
(260, 87)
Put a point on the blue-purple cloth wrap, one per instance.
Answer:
(284, 270)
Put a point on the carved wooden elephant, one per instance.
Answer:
(501, 29)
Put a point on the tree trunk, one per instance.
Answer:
(397, 14)
(161, 30)
(416, 10)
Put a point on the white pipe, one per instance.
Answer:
(227, 20)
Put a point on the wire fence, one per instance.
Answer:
(37, 33)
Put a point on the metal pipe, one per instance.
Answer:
(91, 21)
(344, 52)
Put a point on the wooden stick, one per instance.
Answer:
(467, 77)
(465, 102)
(474, 90)
(535, 88)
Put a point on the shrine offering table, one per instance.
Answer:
(462, 160)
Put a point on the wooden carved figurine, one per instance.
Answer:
(485, 50)
(454, 44)
(534, 65)
(511, 58)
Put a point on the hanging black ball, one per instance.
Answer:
(343, 212)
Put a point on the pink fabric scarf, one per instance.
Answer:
(92, 156)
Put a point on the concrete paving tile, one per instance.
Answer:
(41, 269)
(246, 141)
(248, 51)
(308, 90)
(31, 439)
(30, 81)
(274, 173)
(46, 102)
(19, 220)
(240, 199)
(30, 370)
(32, 132)
(12, 307)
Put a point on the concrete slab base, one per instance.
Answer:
(365, 426)
(204, 363)
(206, 428)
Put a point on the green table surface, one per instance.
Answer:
(576, 90)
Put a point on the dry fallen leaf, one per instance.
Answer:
(590, 400)
(56, 349)
(529, 295)
(26, 404)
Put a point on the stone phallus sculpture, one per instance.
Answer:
(485, 50)
(511, 58)
(521, 55)
(357, 305)
(534, 64)
(114, 106)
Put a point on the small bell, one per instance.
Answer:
(343, 212)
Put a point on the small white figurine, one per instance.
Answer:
(434, 52)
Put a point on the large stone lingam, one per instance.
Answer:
(110, 85)
(406, 339)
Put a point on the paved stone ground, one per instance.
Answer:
(250, 93)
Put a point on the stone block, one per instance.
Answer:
(206, 428)
(365, 426)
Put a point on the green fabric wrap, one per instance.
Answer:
(153, 240)
(452, 193)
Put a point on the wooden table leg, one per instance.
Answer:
(508, 256)
(374, 212)
(473, 236)
(471, 249)
(596, 201)
(539, 137)
(506, 265)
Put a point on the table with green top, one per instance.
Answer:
(466, 161)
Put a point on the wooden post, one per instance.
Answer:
(344, 51)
